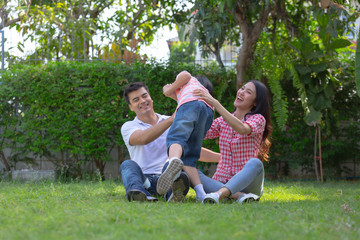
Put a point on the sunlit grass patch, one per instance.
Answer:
(99, 210)
(289, 193)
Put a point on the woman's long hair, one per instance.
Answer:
(262, 107)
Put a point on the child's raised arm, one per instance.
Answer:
(182, 78)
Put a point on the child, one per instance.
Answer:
(192, 120)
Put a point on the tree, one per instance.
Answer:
(252, 17)
(66, 29)
(7, 12)
(309, 31)
(63, 28)
(211, 28)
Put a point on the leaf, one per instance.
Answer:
(321, 102)
(315, 54)
(305, 79)
(20, 48)
(306, 46)
(312, 116)
(316, 68)
(338, 43)
(295, 45)
(302, 69)
(181, 31)
(222, 6)
(329, 91)
(299, 85)
(280, 103)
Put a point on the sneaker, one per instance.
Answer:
(137, 195)
(180, 188)
(247, 198)
(211, 198)
(167, 178)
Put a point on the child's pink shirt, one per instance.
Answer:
(185, 93)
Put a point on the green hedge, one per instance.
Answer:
(72, 108)
(71, 113)
(76, 109)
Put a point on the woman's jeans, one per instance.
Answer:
(249, 180)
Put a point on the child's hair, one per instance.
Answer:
(133, 87)
(206, 83)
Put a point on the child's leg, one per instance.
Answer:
(175, 150)
(195, 181)
(173, 170)
(193, 175)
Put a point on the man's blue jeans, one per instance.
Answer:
(249, 180)
(133, 178)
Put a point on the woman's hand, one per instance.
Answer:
(234, 122)
(206, 97)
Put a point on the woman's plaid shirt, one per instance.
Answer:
(236, 149)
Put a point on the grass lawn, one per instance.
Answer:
(99, 210)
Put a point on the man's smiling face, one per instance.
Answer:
(140, 102)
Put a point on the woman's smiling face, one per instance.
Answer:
(245, 97)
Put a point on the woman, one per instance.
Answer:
(243, 137)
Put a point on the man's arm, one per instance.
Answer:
(143, 137)
(207, 155)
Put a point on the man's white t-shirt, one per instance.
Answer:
(152, 156)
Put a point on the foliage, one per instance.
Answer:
(293, 148)
(269, 68)
(210, 27)
(71, 113)
(62, 29)
(67, 108)
(67, 29)
(317, 66)
(302, 37)
(141, 19)
(12, 12)
(357, 64)
(118, 53)
(182, 52)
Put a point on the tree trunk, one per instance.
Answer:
(5, 161)
(250, 34)
(218, 58)
(245, 54)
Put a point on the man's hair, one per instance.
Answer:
(133, 87)
(206, 83)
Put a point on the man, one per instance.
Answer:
(145, 139)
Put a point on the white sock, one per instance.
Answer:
(147, 183)
(200, 193)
